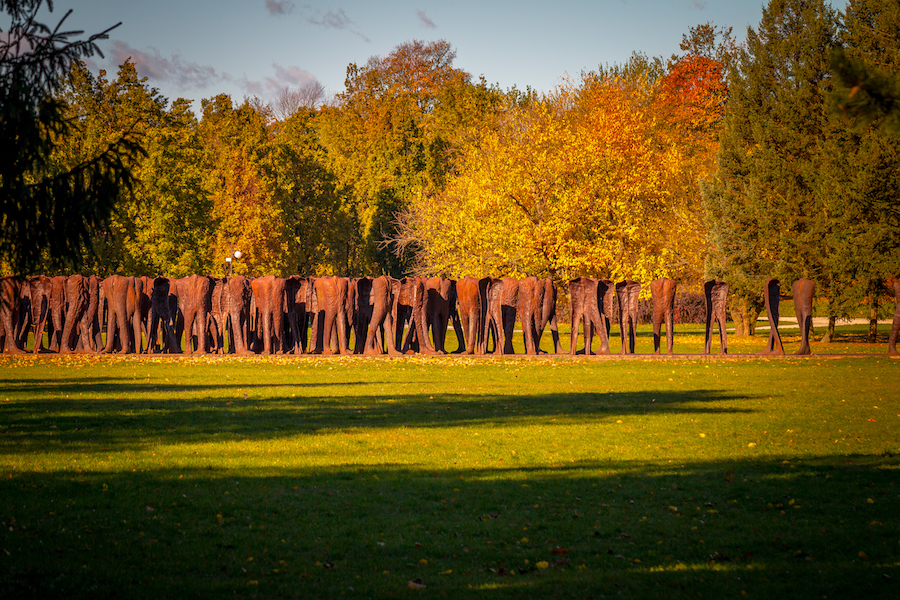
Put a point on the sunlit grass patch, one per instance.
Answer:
(352, 477)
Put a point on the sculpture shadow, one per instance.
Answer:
(112, 413)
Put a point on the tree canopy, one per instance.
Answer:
(774, 158)
(49, 211)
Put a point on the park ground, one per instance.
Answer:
(314, 477)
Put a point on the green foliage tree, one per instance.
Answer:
(867, 83)
(766, 210)
(323, 230)
(863, 181)
(272, 196)
(238, 145)
(47, 208)
(160, 224)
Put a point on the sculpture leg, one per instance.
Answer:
(895, 328)
(804, 291)
(723, 335)
(772, 295)
(670, 329)
(894, 283)
(632, 332)
(657, 327)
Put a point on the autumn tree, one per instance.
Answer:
(387, 137)
(272, 195)
(237, 144)
(47, 208)
(588, 180)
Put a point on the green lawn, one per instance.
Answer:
(499, 478)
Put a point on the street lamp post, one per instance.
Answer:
(230, 259)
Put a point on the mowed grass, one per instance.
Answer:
(518, 477)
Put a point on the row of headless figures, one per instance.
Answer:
(592, 313)
(592, 308)
(716, 292)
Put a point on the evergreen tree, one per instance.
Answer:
(765, 210)
(868, 83)
(861, 183)
(47, 208)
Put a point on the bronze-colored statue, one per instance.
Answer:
(804, 292)
(716, 298)
(772, 293)
(627, 292)
(585, 304)
(894, 284)
(663, 291)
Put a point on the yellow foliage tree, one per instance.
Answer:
(597, 179)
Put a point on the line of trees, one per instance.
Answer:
(739, 162)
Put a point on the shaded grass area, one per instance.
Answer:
(351, 477)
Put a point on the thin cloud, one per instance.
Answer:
(333, 20)
(699, 4)
(155, 67)
(277, 9)
(424, 20)
(285, 77)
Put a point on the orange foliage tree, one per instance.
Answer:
(599, 178)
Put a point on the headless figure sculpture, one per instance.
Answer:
(804, 291)
(627, 293)
(663, 291)
(772, 293)
(716, 296)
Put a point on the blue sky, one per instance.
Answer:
(198, 48)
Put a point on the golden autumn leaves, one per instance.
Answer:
(600, 177)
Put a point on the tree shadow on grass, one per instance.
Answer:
(821, 526)
(111, 415)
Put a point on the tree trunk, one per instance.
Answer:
(873, 317)
(829, 331)
(753, 317)
(744, 313)
(739, 309)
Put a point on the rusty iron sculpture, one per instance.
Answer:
(804, 292)
(894, 284)
(585, 302)
(627, 293)
(663, 291)
(772, 294)
(716, 292)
